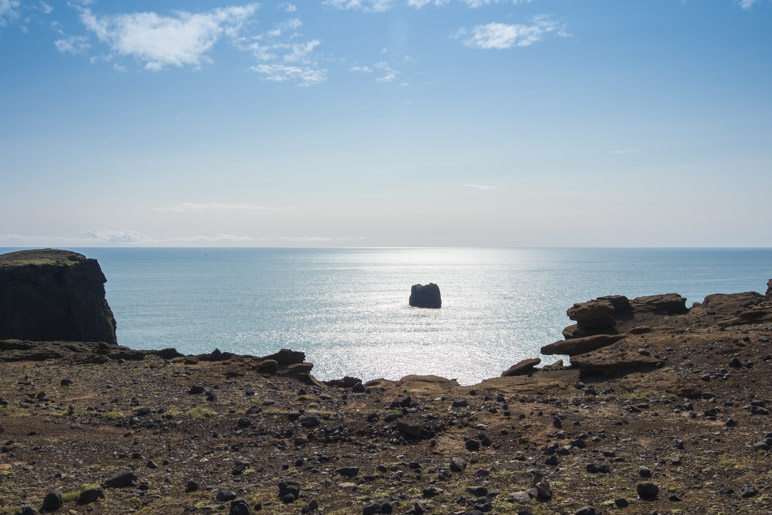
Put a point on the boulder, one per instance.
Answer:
(577, 346)
(53, 295)
(666, 304)
(425, 296)
(523, 367)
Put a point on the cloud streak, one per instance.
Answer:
(216, 207)
(480, 186)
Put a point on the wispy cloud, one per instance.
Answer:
(368, 6)
(285, 59)
(385, 70)
(502, 36)
(287, 7)
(315, 239)
(218, 238)
(420, 3)
(303, 75)
(164, 41)
(214, 207)
(747, 4)
(480, 186)
(76, 45)
(116, 237)
(480, 3)
(9, 11)
(621, 152)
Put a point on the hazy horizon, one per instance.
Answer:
(386, 123)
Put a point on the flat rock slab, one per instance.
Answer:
(577, 346)
(522, 368)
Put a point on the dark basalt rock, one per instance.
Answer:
(91, 495)
(121, 480)
(425, 296)
(53, 501)
(53, 295)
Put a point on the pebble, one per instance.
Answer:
(457, 464)
(587, 510)
(348, 471)
(477, 491)
(644, 472)
(749, 491)
(225, 495)
(431, 491)
(472, 445)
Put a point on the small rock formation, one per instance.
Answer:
(50, 295)
(575, 346)
(597, 316)
(427, 296)
(523, 367)
(769, 288)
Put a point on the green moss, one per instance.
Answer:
(114, 415)
(201, 413)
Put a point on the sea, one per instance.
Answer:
(347, 309)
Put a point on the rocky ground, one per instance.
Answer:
(671, 417)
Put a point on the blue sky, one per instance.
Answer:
(386, 123)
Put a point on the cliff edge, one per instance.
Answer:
(51, 294)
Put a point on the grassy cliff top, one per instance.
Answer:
(40, 257)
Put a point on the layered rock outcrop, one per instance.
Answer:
(53, 295)
(425, 296)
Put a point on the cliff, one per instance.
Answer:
(49, 294)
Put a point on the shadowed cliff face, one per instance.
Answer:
(53, 295)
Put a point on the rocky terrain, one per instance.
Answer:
(663, 409)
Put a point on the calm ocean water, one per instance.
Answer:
(348, 310)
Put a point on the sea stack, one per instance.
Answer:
(53, 295)
(425, 296)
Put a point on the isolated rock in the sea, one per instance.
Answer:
(577, 346)
(49, 295)
(666, 304)
(425, 296)
(523, 367)
(769, 288)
